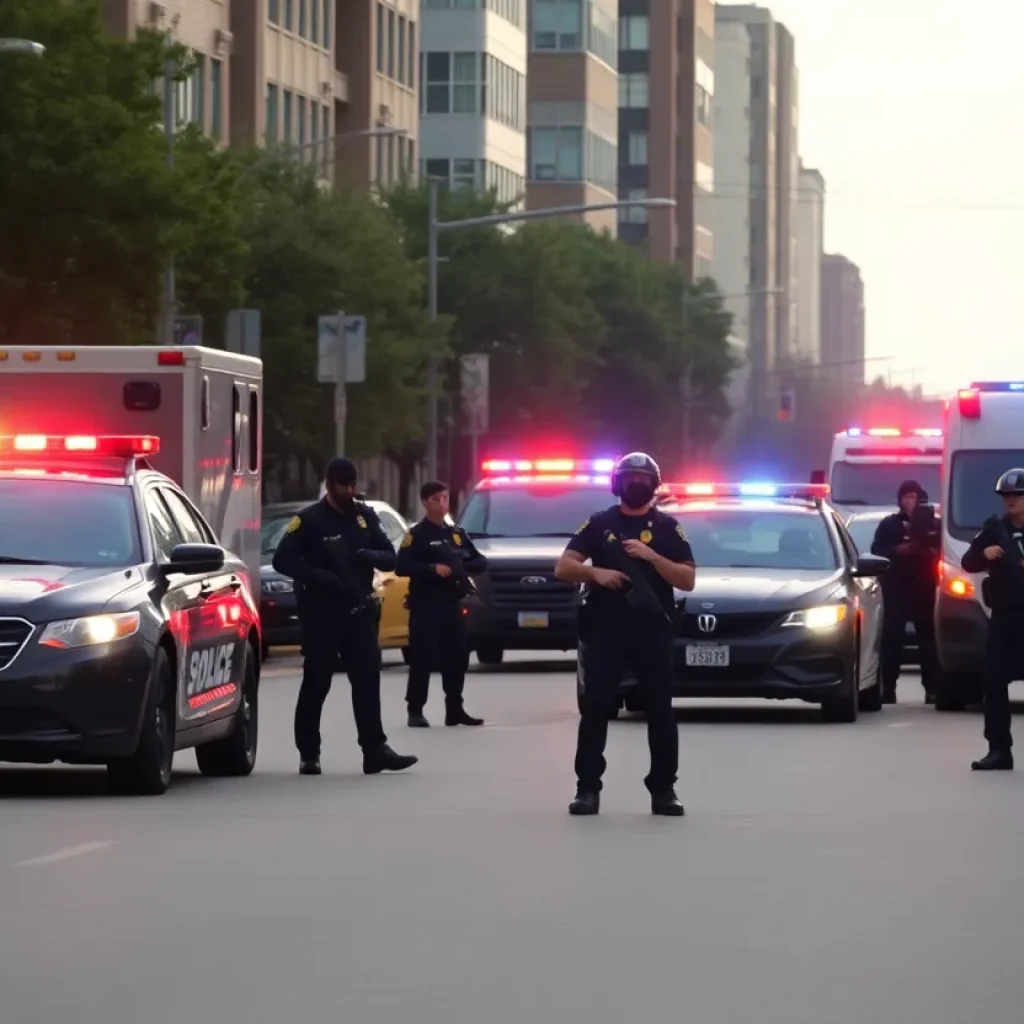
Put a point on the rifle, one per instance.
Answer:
(340, 558)
(461, 580)
(640, 596)
(1009, 564)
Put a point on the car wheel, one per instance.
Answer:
(844, 707)
(147, 772)
(957, 690)
(871, 698)
(235, 755)
(490, 655)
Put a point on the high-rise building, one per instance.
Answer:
(666, 92)
(573, 106)
(842, 322)
(810, 236)
(473, 94)
(787, 156)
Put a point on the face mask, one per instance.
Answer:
(637, 495)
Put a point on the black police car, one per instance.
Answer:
(784, 606)
(119, 642)
(279, 609)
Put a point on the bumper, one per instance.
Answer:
(809, 667)
(80, 707)
(539, 629)
(279, 620)
(961, 634)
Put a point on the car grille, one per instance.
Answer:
(508, 589)
(730, 625)
(13, 634)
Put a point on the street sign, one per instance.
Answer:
(244, 331)
(475, 394)
(354, 332)
(188, 330)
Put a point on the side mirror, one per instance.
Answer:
(194, 558)
(870, 565)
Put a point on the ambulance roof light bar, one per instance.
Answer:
(118, 446)
(891, 432)
(752, 489)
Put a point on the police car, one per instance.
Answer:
(520, 517)
(784, 606)
(126, 631)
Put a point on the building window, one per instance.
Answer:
(302, 17)
(314, 21)
(411, 58)
(452, 83)
(327, 23)
(314, 129)
(633, 89)
(402, 24)
(286, 127)
(601, 35)
(633, 214)
(557, 24)
(556, 154)
(503, 93)
(216, 99)
(289, 14)
(198, 115)
(464, 174)
(302, 115)
(380, 38)
(328, 134)
(391, 43)
(705, 103)
(637, 149)
(271, 117)
(634, 32)
(274, 11)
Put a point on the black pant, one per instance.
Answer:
(325, 639)
(605, 653)
(1004, 662)
(901, 608)
(437, 643)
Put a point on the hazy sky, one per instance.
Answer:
(912, 110)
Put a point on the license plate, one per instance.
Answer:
(707, 656)
(533, 620)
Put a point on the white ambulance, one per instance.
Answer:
(205, 405)
(869, 464)
(984, 438)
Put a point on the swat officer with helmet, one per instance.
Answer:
(999, 551)
(637, 555)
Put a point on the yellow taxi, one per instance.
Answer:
(392, 589)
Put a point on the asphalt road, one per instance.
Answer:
(823, 875)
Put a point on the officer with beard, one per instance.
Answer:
(629, 540)
(910, 542)
(331, 550)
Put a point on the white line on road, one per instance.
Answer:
(65, 854)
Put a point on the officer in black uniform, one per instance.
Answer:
(615, 631)
(999, 550)
(431, 555)
(911, 543)
(331, 549)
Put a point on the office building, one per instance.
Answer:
(473, 94)
(810, 247)
(666, 91)
(787, 156)
(842, 322)
(573, 106)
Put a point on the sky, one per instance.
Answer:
(913, 110)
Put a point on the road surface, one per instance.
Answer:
(823, 875)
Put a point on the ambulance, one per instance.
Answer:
(869, 464)
(204, 405)
(984, 438)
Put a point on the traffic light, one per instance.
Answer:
(787, 405)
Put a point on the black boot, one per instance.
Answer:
(310, 767)
(458, 716)
(994, 761)
(889, 694)
(667, 804)
(417, 720)
(585, 803)
(385, 759)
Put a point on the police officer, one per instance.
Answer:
(439, 560)
(616, 631)
(912, 548)
(999, 550)
(331, 549)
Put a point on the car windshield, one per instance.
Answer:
(877, 483)
(67, 522)
(744, 538)
(972, 482)
(863, 532)
(544, 510)
(271, 533)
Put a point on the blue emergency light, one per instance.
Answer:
(749, 489)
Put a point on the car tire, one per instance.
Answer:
(147, 772)
(490, 655)
(871, 698)
(956, 691)
(234, 756)
(844, 708)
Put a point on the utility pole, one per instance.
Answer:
(340, 386)
(432, 368)
(685, 379)
(170, 302)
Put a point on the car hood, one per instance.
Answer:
(43, 592)
(521, 548)
(758, 589)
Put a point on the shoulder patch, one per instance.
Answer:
(293, 524)
(457, 538)
(680, 531)
(584, 525)
(407, 540)
(362, 522)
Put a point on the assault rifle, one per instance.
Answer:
(640, 596)
(460, 579)
(340, 558)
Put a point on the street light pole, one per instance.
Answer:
(170, 286)
(435, 227)
(26, 47)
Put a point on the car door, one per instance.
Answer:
(216, 619)
(869, 598)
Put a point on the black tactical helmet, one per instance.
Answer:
(634, 462)
(1011, 483)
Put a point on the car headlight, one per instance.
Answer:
(277, 587)
(65, 634)
(827, 616)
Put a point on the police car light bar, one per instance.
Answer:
(970, 403)
(505, 467)
(753, 489)
(892, 432)
(121, 446)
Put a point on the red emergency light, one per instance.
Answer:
(893, 432)
(546, 466)
(120, 446)
(970, 403)
(751, 489)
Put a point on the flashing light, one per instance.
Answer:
(970, 403)
(520, 479)
(172, 357)
(752, 489)
(953, 582)
(893, 432)
(547, 466)
(112, 445)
